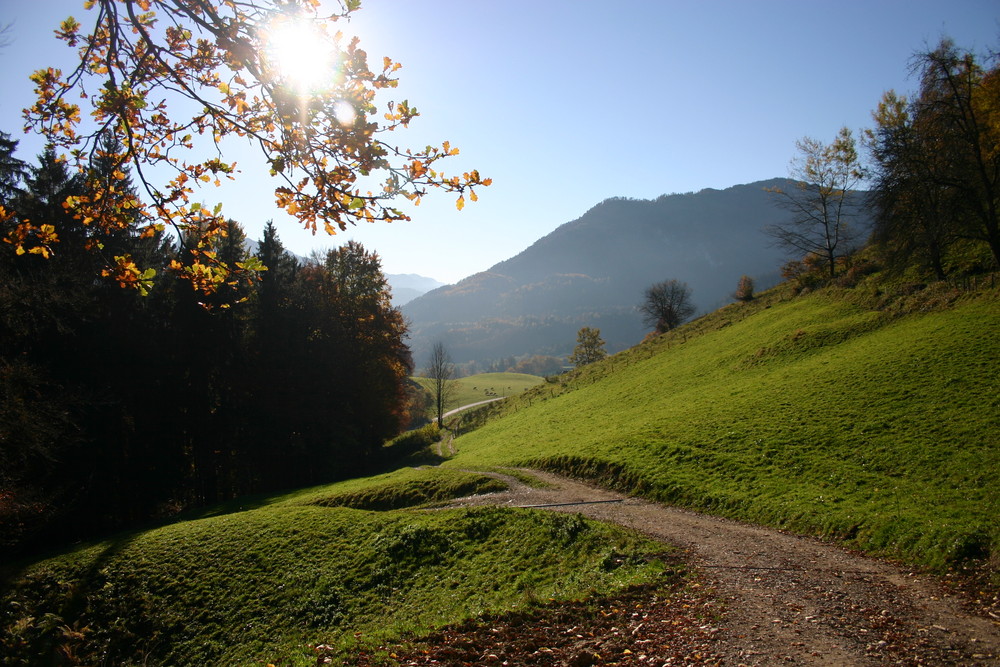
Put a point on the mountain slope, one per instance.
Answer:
(593, 271)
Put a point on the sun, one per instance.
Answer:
(301, 54)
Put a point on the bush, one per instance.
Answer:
(744, 289)
(411, 442)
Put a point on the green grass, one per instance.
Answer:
(872, 426)
(864, 415)
(411, 488)
(268, 584)
(484, 386)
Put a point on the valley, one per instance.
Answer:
(831, 417)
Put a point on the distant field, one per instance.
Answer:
(810, 413)
(484, 386)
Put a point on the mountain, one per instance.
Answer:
(408, 286)
(593, 272)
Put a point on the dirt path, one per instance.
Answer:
(790, 599)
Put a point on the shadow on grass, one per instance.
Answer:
(378, 466)
(11, 569)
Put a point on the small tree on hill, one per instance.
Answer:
(589, 347)
(442, 371)
(823, 202)
(666, 305)
(744, 289)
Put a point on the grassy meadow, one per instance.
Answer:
(269, 584)
(847, 414)
(483, 386)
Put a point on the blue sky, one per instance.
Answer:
(567, 102)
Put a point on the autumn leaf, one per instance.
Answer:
(125, 64)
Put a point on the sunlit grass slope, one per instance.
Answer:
(268, 584)
(874, 426)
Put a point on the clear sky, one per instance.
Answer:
(565, 103)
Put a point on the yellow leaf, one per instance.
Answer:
(473, 196)
(460, 204)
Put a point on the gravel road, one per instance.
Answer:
(789, 599)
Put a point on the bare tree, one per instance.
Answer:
(824, 200)
(5, 35)
(667, 305)
(442, 371)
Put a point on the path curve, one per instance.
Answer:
(471, 405)
(789, 599)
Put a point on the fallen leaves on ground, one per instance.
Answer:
(649, 625)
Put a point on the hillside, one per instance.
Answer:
(593, 271)
(867, 415)
(860, 414)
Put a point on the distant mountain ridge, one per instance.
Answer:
(408, 286)
(593, 271)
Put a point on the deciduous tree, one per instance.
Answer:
(666, 305)
(173, 80)
(937, 161)
(824, 201)
(744, 289)
(589, 347)
(441, 370)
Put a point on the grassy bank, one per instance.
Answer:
(866, 419)
(270, 584)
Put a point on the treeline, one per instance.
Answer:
(934, 183)
(936, 166)
(117, 406)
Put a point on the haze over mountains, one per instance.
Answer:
(408, 286)
(593, 272)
